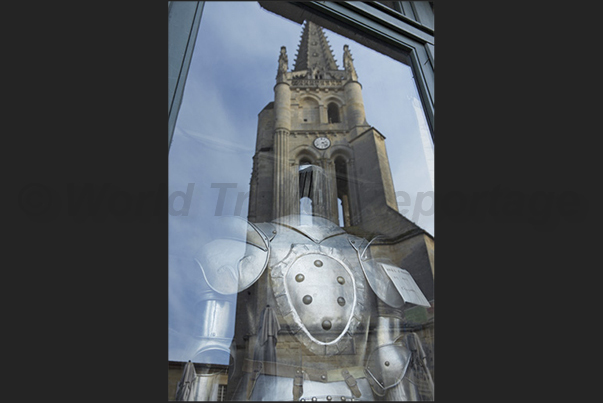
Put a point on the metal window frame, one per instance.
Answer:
(390, 33)
(370, 23)
(184, 18)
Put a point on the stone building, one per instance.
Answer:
(317, 118)
(317, 156)
(316, 153)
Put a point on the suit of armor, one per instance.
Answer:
(317, 317)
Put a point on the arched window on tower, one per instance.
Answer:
(343, 192)
(333, 112)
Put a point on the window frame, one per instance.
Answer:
(184, 18)
(369, 23)
(390, 33)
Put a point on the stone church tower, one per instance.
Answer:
(335, 286)
(327, 293)
(317, 122)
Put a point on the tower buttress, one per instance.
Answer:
(353, 92)
(282, 127)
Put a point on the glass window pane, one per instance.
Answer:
(272, 176)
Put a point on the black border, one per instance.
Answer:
(86, 87)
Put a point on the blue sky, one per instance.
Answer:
(230, 80)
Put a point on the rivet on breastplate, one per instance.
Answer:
(317, 263)
(341, 301)
(307, 300)
(326, 324)
(386, 363)
(329, 398)
(340, 280)
(299, 278)
(314, 399)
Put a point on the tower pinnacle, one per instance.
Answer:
(314, 54)
(348, 63)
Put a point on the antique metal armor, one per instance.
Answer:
(299, 308)
(317, 318)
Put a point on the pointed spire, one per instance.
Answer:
(314, 51)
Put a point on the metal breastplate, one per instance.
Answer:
(320, 295)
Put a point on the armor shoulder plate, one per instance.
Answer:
(393, 285)
(233, 264)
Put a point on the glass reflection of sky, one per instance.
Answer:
(231, 79)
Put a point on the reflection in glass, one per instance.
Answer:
(320, 287)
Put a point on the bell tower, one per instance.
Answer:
(317, 156)
(315, 150)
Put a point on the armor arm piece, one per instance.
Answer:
(398, 370)
(214, 328)
(417, 384)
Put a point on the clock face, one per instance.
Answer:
(322, 143)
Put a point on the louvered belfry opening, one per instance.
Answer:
(333, 113)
